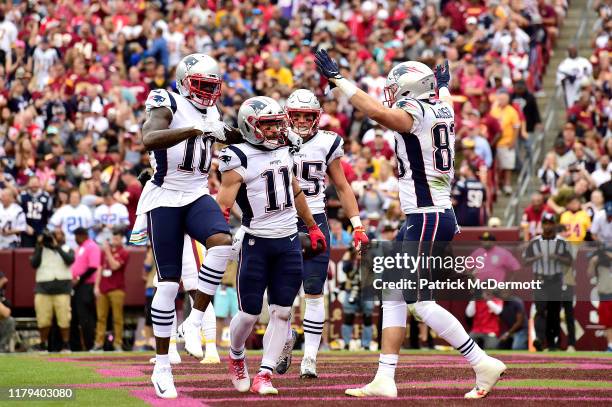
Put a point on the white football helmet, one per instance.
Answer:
(198, 79)
(263, 122)
(303, 101)
(413, 79)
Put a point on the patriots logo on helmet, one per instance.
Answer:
(257, 105)
(403, 69)
(191, 61)
(158, 98)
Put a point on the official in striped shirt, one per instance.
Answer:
(549, 255)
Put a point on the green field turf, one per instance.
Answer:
(19, 370)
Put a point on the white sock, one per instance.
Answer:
(449, 329)
(212, 269)
(162, 360)
(162, 308)
(274, 338)
(241, 327)
(314, 318)
(209, 327)
(387, 365)
(173, 333)
(289, 333)
(195, 317)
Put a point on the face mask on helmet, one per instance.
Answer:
(390, 92)
(271, 130)
(304, 122)
(203, 90)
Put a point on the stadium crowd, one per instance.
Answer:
(74, 77)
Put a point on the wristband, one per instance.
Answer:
(444, 92)
(347, 87)
(356, 221)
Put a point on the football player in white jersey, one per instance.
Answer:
(319, 155)
(258, 176)
(179, 133)
(425, 153)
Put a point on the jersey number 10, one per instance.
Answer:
(205, 155)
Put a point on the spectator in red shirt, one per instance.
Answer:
(472, 84)
(582, 111)
(486, 326)
(532, 216)
(379, 146)
(132, 193)
(110, 290)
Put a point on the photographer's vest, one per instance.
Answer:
(52, 266)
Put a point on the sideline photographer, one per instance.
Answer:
(52, 259)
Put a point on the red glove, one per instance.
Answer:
(316, 236)
(360, 239)
(226, 214)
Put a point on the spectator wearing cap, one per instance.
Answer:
(108, 216)
(51, 260)
(601, 230)
(109, 289)
(86, 264)
(12, 220)
(499, 263)
(531, 222)
(506, 144)
(600, 267)
(549, 255)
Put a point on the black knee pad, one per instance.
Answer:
(367, 320)
(313, 286)
(349, 319)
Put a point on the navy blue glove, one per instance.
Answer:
(326, 65)
(442, 76)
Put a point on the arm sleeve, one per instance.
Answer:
(160, 98)
(495, 306)
(36, 257)
(470, 310)
(233, 158)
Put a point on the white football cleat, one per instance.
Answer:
(239, 375)
(163, 382)
(308, 368)
(381, 386)
(193, 340)
(211, 356)
(173, 354)
(262, 384)
(488, 372)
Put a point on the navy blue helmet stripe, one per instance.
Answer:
(161, 166)
(240, 154)
(417, 167)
